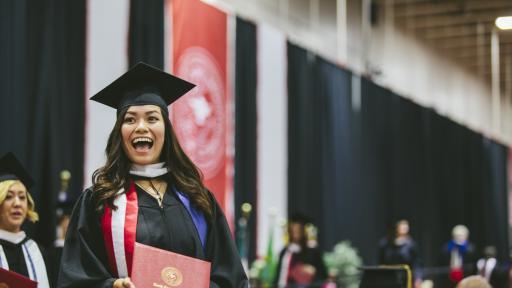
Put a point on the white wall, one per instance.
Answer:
(272, 136)
(416, 71)
(406, 65)
(106, 59)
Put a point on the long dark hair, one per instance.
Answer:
(113, 176)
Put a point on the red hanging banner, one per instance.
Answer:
(202, 119)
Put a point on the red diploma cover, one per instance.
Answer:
(9, 279)
(153, 267)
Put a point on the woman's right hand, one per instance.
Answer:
(123, 283)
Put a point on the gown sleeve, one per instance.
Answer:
(84, 260)
(227, 270)
(416, 261)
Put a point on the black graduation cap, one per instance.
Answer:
(143, 85)
(11, 169)
(396, 276)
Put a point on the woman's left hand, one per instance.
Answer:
(124, 283)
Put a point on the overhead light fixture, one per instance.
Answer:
(504, 23)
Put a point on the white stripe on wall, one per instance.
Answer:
(272, 132)
(106, 59)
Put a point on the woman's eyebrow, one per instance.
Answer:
(152, 111)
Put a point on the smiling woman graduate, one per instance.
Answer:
(18, 253)
(148, 191)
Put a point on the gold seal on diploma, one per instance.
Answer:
(171, 276)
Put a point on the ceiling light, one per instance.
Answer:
(504, 23)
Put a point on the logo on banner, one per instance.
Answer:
(199, 117)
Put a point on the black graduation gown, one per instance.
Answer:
(55, 253)
(500, 275)
(85, 264)
(405, 253)
(16, 259)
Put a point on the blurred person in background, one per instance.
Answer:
(493, 270)
(460, 254)
(299, 264)
(63, 216)
(400, 248)
(18, 253)
(63, 213)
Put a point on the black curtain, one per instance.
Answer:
(245, 126)
(496, 202)
(42, 97)
(146, 35)
(357, 170)
(305, 124)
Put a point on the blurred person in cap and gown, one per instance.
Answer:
(63, 213)
(18, 253)
(63, 217)
(493, 270)
(460, 254)
(148, 175)
(299, 264)
(400, 248)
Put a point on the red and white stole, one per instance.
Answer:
(119, 229)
